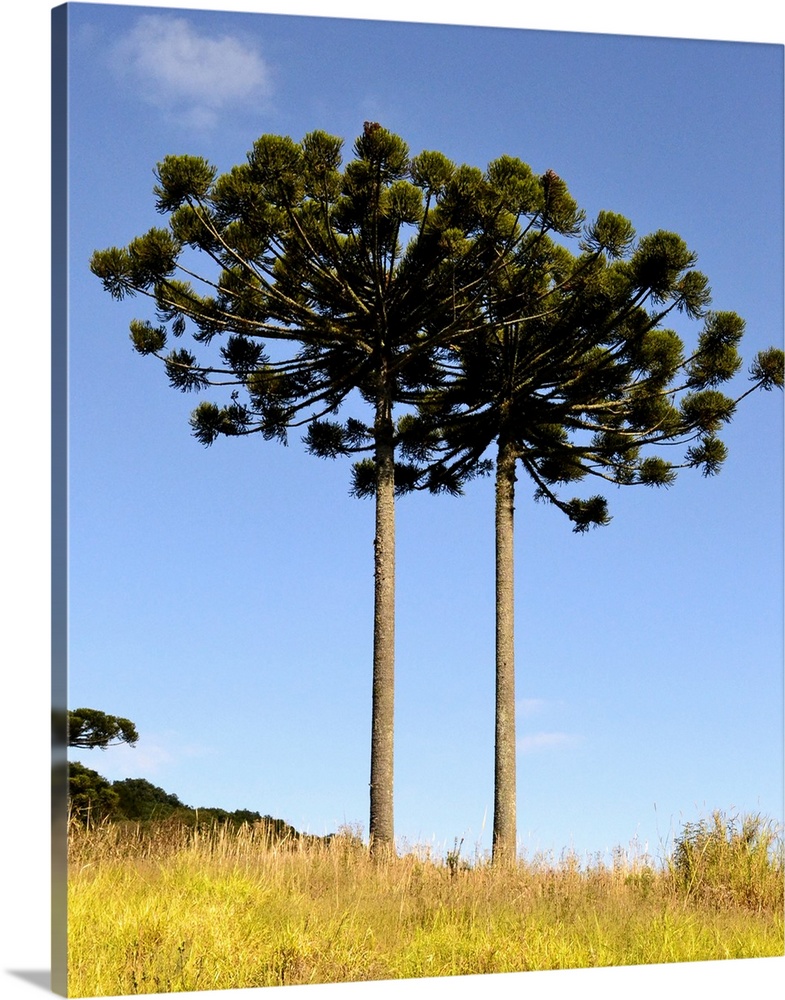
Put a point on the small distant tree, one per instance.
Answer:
(250, 816)
(139, 799)
(91, 798)
(88, 728)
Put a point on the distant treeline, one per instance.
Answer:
(94, 799)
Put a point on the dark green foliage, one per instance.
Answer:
(658, 263)
(182, 371)
(717, 359)
(327, 438)
(141, 800)
(609, 233)
(146, 338)
(432, 172)
(446, 290)
(572, 366)
(559, 211)
(364, 478)
(767, 369)
(244, 816)
(708, 455)
(655, 471)
(91, 798)
(478, 303)
(311, 252)
(586, 514)
(707, 411)
(94, 799)
(243, 355)
(209, 421)
(365, 274)
(89, 728)
(182, 179)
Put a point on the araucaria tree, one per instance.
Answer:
(88, 728)
(412, 282)
(363, 275)
(574, 376)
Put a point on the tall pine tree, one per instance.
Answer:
(575, 377)
(362, 274)
(415, 283)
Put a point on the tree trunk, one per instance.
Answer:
(381, 821)
(504, 827)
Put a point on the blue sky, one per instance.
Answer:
(222, 598)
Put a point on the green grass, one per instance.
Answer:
(164, 909)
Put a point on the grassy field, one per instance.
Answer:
(160, 908)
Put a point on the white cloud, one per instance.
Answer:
(545, 741)
(157, 753)
(526, 708)
(187, 74)
(530, 706)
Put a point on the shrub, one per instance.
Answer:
(730, 859)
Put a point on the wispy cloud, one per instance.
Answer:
(530, 706)
(188, 75)
(535, 742)
(152, 756)
(526, 708)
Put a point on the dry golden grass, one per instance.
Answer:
(162, 909)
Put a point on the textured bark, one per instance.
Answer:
(381, 821)
(504, 825)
